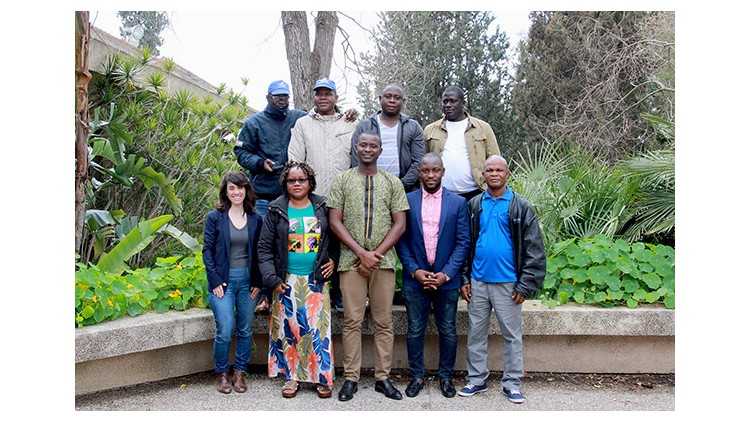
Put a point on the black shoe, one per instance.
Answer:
(347, 390)
(447, 388)
(414, 387)
(387, 389)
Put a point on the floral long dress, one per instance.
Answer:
(300, 344)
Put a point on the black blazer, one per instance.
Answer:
(216, 248)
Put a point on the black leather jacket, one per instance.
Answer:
(528, 244)
(272, 245)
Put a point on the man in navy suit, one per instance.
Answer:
(433, 251)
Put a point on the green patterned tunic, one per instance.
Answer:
(367, 203)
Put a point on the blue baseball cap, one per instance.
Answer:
(278, 88)
(325, 83)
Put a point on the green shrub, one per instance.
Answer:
(172, 284)
(607, 272)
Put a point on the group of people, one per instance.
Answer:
(335, 202)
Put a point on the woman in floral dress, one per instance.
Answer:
(296, 252)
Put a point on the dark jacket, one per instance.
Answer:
(410, 147)
(266, 135)
(272, 246)
(528, 244)
(453, 239)
(216, 248)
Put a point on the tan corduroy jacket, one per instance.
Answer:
(480, 143)
(324, 142)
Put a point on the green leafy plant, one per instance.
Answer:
(607, 272)
(172, 284)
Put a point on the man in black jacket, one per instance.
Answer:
(401, 137)
(506, 265)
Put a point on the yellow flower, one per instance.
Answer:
(176, 293)
(178, 267)
(109, 302)
(94, 299)
(130, 286)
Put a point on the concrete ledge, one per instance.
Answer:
(158, 346)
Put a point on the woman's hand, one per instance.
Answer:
(327, 269)
(281, 287)
(219, 290)
(254, 293)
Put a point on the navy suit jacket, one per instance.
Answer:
(216, 248)
(453, 245)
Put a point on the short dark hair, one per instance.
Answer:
(454, 89)
(304, 167)
(372, 133)
(241, 180)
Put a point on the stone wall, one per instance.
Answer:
(158, 346)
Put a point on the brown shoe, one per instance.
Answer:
(222, 383)
(239, 382)
(324, 391)
(290, 389)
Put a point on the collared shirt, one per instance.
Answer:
(388, 159)
(367, 203)
(324, 142)
(431, 207)
(493, 260)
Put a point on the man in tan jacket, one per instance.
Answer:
(464, 143)
(322, 139)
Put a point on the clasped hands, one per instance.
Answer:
(430, 280)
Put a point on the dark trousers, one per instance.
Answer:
(419, 303)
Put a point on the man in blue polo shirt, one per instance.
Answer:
(506, 265)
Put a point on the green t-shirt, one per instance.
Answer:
(367, 203)
(303, 241)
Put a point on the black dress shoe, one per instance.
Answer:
(387, 388)
(347, 390)
(447, 388)
(414, 387)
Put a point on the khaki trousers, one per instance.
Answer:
(355, 289)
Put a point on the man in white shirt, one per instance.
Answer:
(464, 143)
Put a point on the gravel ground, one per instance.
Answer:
(544, 391)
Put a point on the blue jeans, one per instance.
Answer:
(261, 207)
(419, 302)
(235, 306)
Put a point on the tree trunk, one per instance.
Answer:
(297, 39)
(82, 37)
(326, 24)
(305, 67)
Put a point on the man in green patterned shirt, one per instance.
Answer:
(367, 213)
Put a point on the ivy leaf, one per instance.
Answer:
(566, 273)
(614, 283)
(622, 245)
(651, 297)
(631, 303)
(652, 280)
(598, 274)
(625, 265)
(615, 295)
(669, 301)
(640, 294)
(87, 312)
(600, 297)
(580, 276)
(579, 296)
(630, 285)
(563, 297)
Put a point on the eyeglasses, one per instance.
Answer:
(296, 181)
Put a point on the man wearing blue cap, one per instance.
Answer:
(263, 141)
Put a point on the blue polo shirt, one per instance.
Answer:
(493, 258)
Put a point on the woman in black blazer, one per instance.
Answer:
(230, 239)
